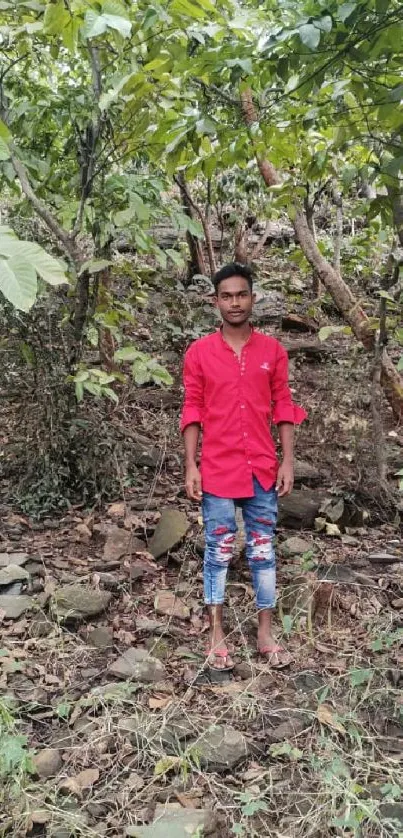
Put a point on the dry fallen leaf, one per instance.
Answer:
(82, 781)
(325, 716)
(159, 702)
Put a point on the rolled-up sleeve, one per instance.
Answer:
(193, 404)
(284, 409)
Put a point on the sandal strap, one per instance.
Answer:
(271, 650)
(219, 653)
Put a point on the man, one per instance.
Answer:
(236, 383)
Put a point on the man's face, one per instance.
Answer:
(234, 300)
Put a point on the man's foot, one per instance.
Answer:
(218, 656)
(275, 654)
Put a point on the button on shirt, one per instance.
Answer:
(235, 399)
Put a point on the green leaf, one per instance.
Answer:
(345, 10)
(393, 167)
(188, 8)
(94, 266)
(94, 25)
(18, 282)
(50, 269)
(107, 391)
(400, 364)
(324, 23)
(310, 35)
(121, 24)
(5, 134)
(360, 676)
(4, 150)
(55, 19)
(326, 331)
(128, 353)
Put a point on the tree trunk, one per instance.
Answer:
(80, 314)
(347, 304)
(241, 243)
(396, 198)
(197, 263)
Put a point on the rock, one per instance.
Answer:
(139, 665)
(171, 528)
(40, 626)
(100, 637)
(13, 573)
(333, 510)
(119, 543)
(149, 626)
(13, 558)
(14, 590)
(243, 670)
(306, 473)
(47, 763)
(145, 454)
(299, 509)
(296, 546)
(221, 748)
(171, 606)
(35, 568)
(181, 823)
(14, 606)
(83, 533)
(117, 509)
(397, 603)
(287, 730)
(384, 558)
(350, 540)
(302, 596)
(135, 782)
(295, 323)
(392, 812)
(77, 602)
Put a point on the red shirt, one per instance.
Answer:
(235, 400)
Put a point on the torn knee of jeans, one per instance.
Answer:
(220, 531)
(225, 549)
(267, 521)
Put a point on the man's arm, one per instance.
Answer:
(285, 415)
(285, 476)
(192, 415)
(192, 474)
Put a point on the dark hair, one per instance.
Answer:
(233, 269)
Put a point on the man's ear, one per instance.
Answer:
(214, 300)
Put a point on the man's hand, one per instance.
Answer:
(285, 479)
(193, 482)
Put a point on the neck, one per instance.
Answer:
(236, 333)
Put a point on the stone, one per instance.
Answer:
(14, 606)
(35, 568)
(100, 637)
(139, 665)
(171, 528)
(299, 509)
(149, 626)
(221, 748)
(15, 589)
(306, 473)
(78, 602)
(13, 573)
(47, 763)
(40, 626)
(295, 323)
(384, 558)
(392, 812)
(119, 543)
(171, 606)
(286, 730)
(180, 823)
(397, 603)
(303, 595)
(243, 670)
(135, 782)
(13, 558)
(296, 546)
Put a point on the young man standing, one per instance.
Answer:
(236, 384)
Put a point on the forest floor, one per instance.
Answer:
(110, 726)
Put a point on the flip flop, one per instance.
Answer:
(271, 655)
(218, 653)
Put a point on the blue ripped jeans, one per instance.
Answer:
(259, 515)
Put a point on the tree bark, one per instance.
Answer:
(396, 197)
(348, 305)
(197, 263)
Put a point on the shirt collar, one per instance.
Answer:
(250, 338)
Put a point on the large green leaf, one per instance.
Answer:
(310, 35)
(49, 268)
(4, 150)
(18, 282)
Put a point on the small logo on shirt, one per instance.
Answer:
(265, 366)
